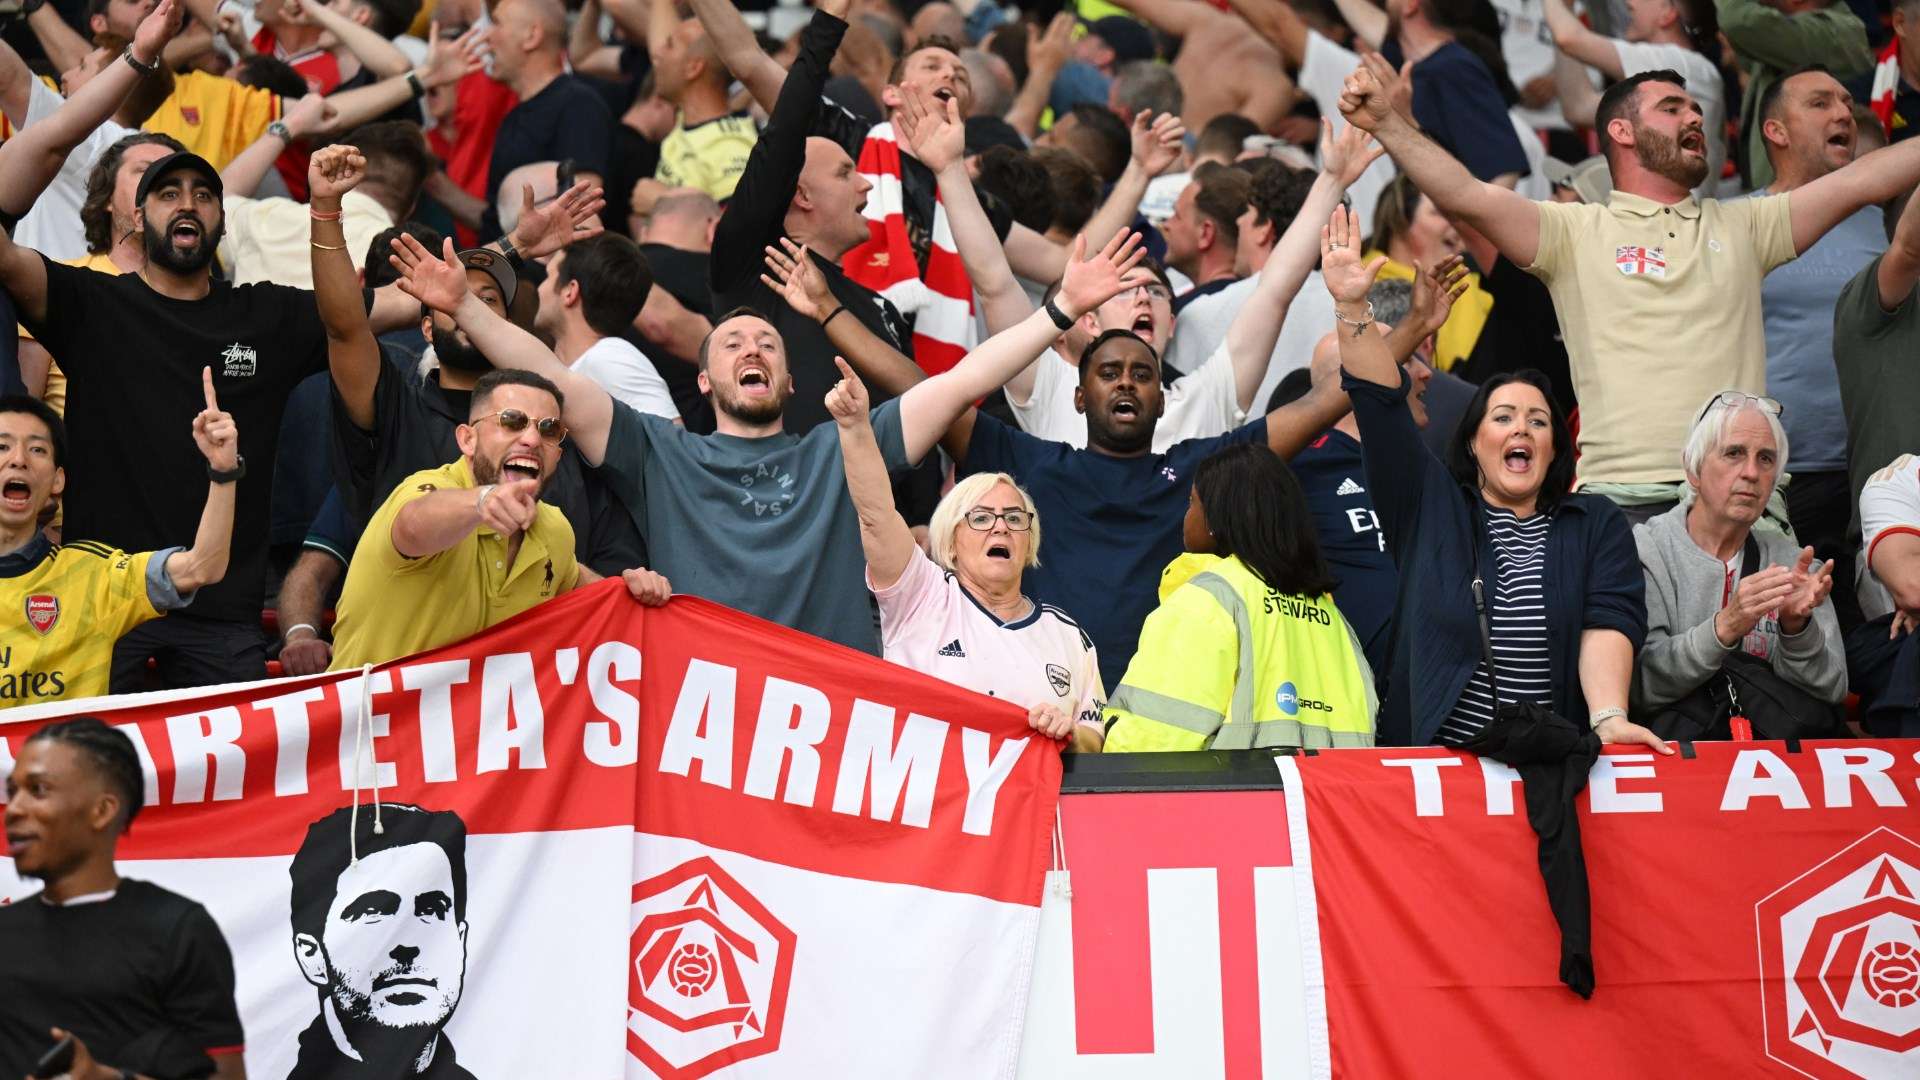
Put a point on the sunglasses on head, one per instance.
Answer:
(1736, 398)
(515, 421)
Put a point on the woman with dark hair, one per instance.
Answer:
(1410, 231)
(1563, 588)
(1246, 648)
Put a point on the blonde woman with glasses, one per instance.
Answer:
(958, 614)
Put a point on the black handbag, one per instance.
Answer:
(1748, 687)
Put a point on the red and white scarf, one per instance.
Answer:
(1886, 83)
(940, 302)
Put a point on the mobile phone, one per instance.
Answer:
(56, 1061)
(563, 176)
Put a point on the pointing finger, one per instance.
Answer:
(206, 383)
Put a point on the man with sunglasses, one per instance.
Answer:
(457, 549)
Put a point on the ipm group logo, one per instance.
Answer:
(1840, 963)
(709, 976)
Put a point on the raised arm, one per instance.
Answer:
(586, 51)
(794, 273)
(935, 133)
(761, 74)
(1363, 350)
(884, 535)
(63, 45)
(305, 117)
(1576, 39)
(446, 63)
(219, 441)
(1256, 329)
(1900, 266)
(1276, 21)
(33, 156)
(1579, 101)
(1369, 20)
(928, 409)
(1157, 143)
(1770, 36)
(1046, 54)
(374, 51)
(1507, 218)
(353, 356)
(1176, 18)
(440, 282)
(24, 275)
(1821, 204)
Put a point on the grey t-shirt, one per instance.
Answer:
(1873, 352)
(762, 525)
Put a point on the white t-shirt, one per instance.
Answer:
(1889, 505)
(1527, 46)
(269, 239)
(1201, 330)
(52, 226)
(930, 623)
(1703, 82)
(1199, 405)
(1323, 74)
(626, 373)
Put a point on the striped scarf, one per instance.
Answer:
(1886, 83)
(940, 302)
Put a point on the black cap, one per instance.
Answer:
(521, 300)
(1128, 39)
(984, 132)
(173, 163)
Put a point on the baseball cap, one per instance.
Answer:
(1128, 39)
(1589, 179)
(173, 163)
(989, 131)
(522, 301)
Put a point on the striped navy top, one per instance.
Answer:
(1517, 610)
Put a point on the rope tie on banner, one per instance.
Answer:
(362, 747)
(1062, 886)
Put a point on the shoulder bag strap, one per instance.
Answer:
(1480, 606)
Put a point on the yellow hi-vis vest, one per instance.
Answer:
(1226, 663)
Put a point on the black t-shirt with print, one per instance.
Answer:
(144, 978)
(132, 357)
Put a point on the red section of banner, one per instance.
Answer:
(786, 747)
(1753, 906)
(1231, 832)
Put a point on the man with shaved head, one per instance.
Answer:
(559, 118)
(708, 146)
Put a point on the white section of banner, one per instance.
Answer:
(886, 980)
(1312, 973)
(539, 974)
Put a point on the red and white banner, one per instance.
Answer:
(634, 842)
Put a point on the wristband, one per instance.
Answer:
(327, 247)
(413, 82)
(480, 504)
(830, 318)
(228, 476)
(1060, 318)
(323, 215)
(1604, 715)
(287, 634)
(134, 62)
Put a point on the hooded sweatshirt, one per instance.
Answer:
(1687, 586)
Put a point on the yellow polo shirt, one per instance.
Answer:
(1660, 307)
(392, 606)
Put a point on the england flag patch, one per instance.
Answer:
(1634, 259)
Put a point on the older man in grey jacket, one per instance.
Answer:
(1701, 607)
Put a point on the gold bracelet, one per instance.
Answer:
(328, 247)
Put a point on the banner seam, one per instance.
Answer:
(1306, 920)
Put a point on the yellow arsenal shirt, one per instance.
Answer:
(62, 608)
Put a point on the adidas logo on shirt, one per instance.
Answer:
(1348, 487)
(952, 648)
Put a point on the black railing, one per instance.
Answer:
(1197, 770)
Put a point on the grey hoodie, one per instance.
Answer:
(1684, 589)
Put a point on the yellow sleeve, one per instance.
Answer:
(376, 543)
(117, 598)
(1559, 232)
(1770, 219)
(249, 111)
(1179, 684)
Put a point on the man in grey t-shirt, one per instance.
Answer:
(751, 516)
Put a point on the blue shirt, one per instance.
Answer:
(1796, 302)
(1108, 525)
(1333, 475)
(1458, 103)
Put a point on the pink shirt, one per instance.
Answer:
(929, 622)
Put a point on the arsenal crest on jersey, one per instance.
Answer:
(43, 610)
(1633, 259)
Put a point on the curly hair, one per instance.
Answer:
(96, 210)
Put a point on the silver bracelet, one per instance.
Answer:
(288, 632)
(480, 503)
(1604, 715)
(1360, 325)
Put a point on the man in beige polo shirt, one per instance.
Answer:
(1658, 293)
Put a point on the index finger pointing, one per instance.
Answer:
(206, 383)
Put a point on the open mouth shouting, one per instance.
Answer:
(1518, 458)
(521, 467)
(1694, 141)
(16, 495)
(944, 94)
(755, 380)
(999, 549)
(1125, 409)
(1143, 327)
(185, 231)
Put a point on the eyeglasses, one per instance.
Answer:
(1157, 292)
(1733, 399)
(982, 520)
(513, 420)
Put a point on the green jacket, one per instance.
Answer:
(1771, 43)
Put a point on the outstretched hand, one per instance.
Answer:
(1346, 277)
(798, 280)
(1348, 154)
(932, 127)
(440, 283)
(1048, 52)
(1090, 282)
(573, 215)
(510, 506)
(1435, 288)
(335, 170)
(214, 431)
(158, 28)
(847, 402)
(1157, 141)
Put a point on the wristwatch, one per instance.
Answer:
(134, 62)
(279, 130)
(228, 476)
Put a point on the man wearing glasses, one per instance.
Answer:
(457, 549)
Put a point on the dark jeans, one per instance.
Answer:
(189, 652)
(1819, 505)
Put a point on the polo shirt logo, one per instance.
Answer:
(190, 114)
(1633, 259)
(239, 361)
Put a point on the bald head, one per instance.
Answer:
(683, 218)
(528, 37)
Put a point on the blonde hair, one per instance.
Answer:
(950, 516)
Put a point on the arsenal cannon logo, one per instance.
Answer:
(1840, 963)
(709, 975)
